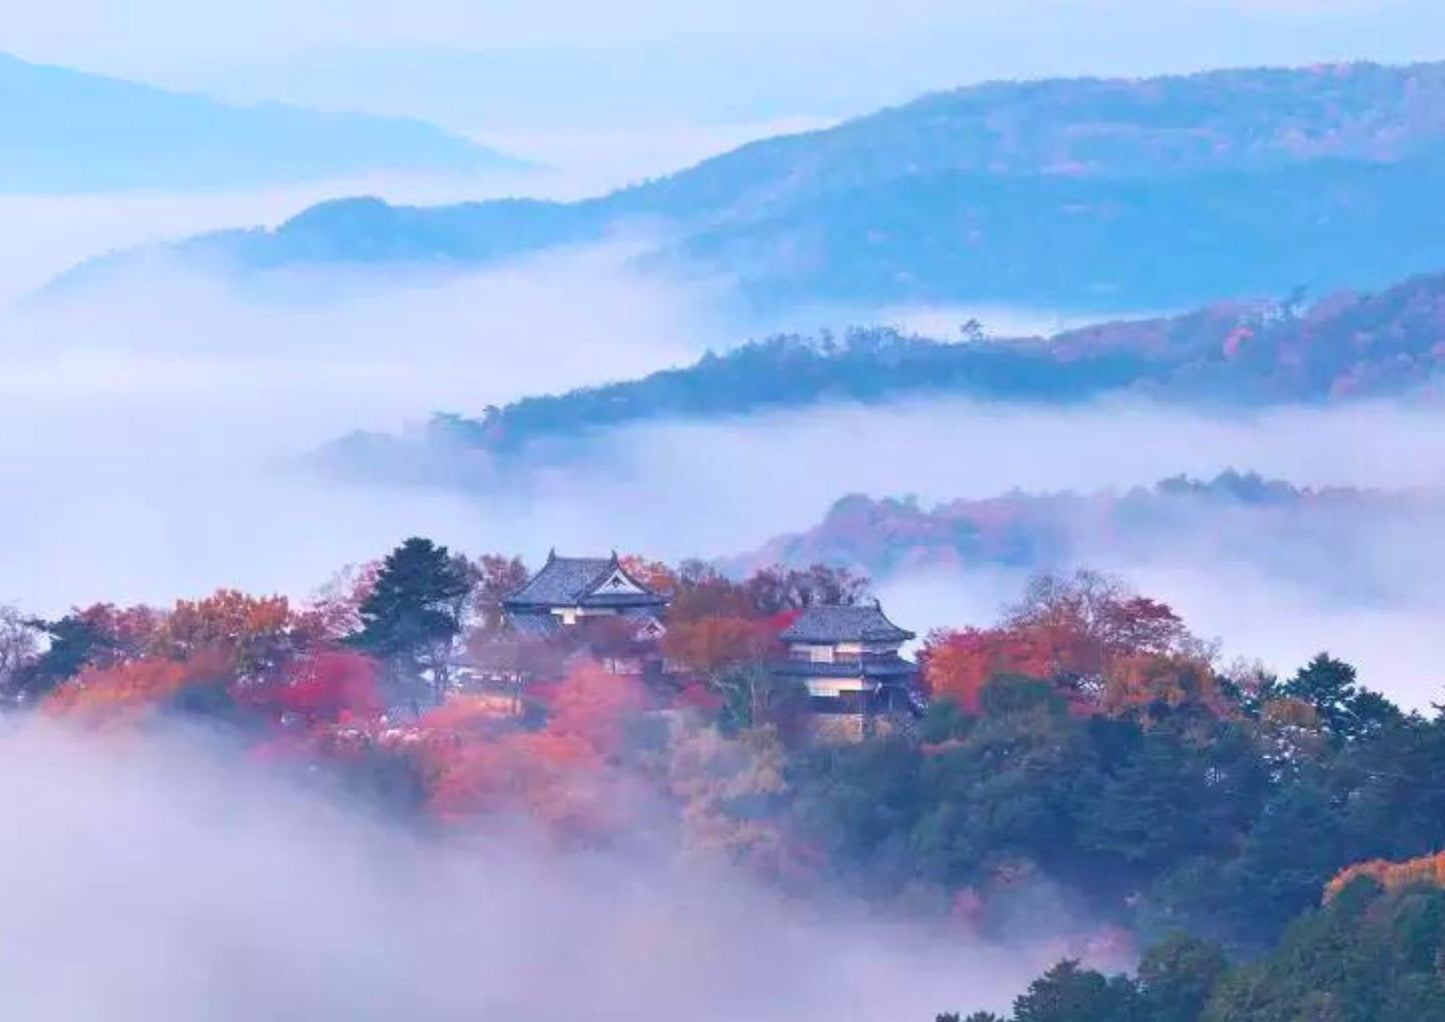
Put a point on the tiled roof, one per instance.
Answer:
(562, 581)
(570, 581)
(865, 623)
(534, 624)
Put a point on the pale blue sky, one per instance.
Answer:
(566, 80)
(162, 37)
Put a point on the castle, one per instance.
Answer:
(570, 590)
(849, 658)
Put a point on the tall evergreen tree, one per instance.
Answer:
(1347, 709)
(1177, 978)
(1067, 993)
(1158, 808)
(413, 614)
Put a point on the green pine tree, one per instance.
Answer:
(1068, 993)
(1347, 709)
(414, 613)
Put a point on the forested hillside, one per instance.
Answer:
(1086, 774)
(1070, 193)
(1329, 539)
(1345, 346)
(1370, 955)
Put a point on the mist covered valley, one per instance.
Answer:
(1180, 559)
(123, 503)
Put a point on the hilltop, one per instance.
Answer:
(1329, 538)
(1242, 355)
(68, 131)
(1071, 193)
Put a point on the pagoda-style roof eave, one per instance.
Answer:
(899, 670)
(833, 625)
(590, 603)
(574, 582)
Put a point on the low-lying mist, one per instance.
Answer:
(153, 881)
(1365, 591)
(1253, 616)
(149, 436)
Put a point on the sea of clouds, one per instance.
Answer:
(149, 433)
(155, 882)
(149, 430)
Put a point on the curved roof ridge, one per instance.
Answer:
(572, 580)
(845, 623)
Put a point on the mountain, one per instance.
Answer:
(1240, 355)
(65, 131)
(1335, 540)
(1070, 193)
(883, 537)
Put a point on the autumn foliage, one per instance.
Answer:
(1109, 650)
(337, 607)
(1393, 876)
(549, 735)
(653, 574)
(559, 775)
(328, 686)
(124, 632)
(711, 643)
(131, 692)
(957, 665)
(1088, 726)
(258, 635)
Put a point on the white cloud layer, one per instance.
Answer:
(141, 433)
(155, 882)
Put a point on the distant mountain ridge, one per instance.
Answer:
(1329, 537)
(1346, 346)
(63, 130)
(1082, 193)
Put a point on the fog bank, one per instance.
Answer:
(149, 432)
(153, 881)
(1253, 616)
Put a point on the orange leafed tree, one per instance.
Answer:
(653, 574)
(542, 775)
(701, 592)
(1086, 618)
(258, 635)
(710, 643)
(559, 776)
(128, 693)
(1392, 875)
(1114, 652)
(1142, 681)
(957, 665)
